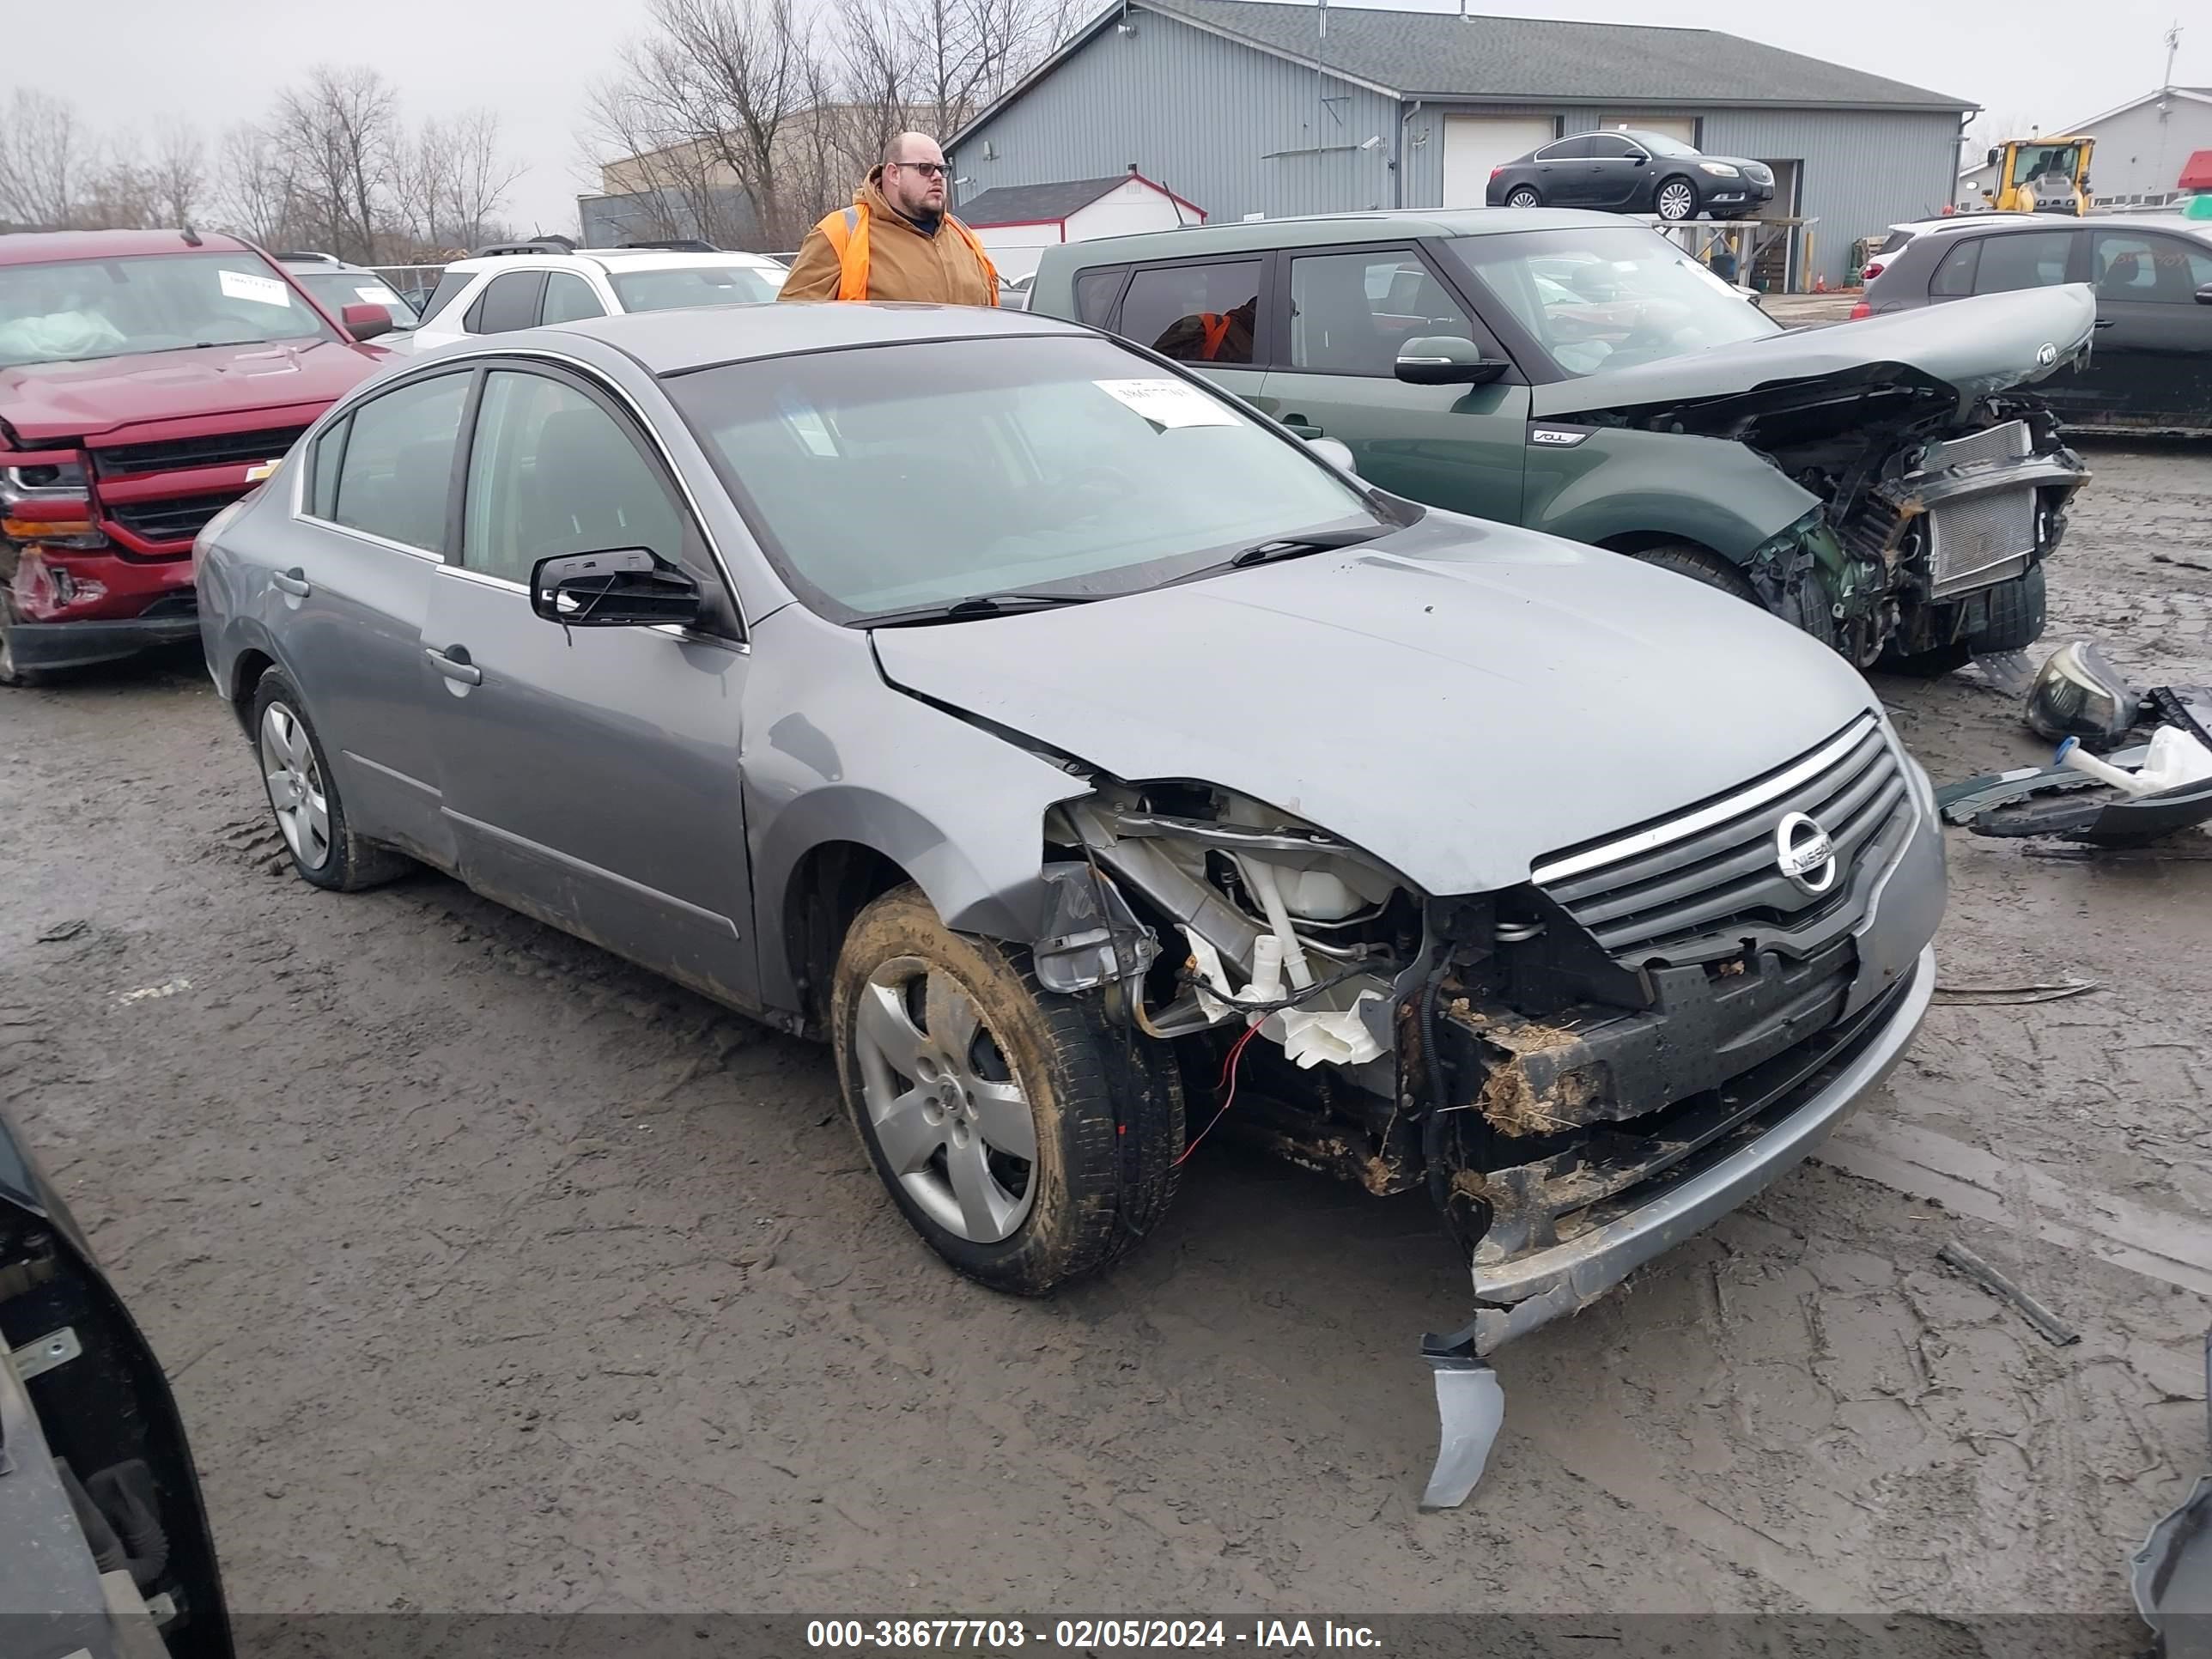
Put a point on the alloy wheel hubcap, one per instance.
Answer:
(295, 787)
(1674, 202)
(951, 1119)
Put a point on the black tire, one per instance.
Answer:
(2015, 615)
(1930, 665)
(1687, 207)
(346, 864)
(9, 674)
(1106, 1110)
(1523, 196)
(1807, 612)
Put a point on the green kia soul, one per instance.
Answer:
(1890, 486)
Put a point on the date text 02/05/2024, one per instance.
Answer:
(990, 1636)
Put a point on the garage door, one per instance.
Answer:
(1475, 143)
(1682, 127)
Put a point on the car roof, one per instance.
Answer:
(1321, 230)
(614, 259)
(38, 247)
(2010, 222)
(672, 342)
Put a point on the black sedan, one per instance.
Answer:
(2151, 369)
(1626, 171)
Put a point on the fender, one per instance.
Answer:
(1619, 483)
(831, 753)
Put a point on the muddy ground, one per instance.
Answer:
(494, 1273)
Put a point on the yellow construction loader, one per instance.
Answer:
(2040, 175)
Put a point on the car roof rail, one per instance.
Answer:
(538, 245)
(675, 244)
(309, 255)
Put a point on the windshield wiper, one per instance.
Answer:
(980, 604)
(1287, 546)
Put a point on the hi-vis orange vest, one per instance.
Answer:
(846, 231)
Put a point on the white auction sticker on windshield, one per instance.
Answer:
(1168, 403)
(262, 290)
(377, 296)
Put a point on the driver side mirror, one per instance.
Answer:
(1991, 160)
(366, 322)
(2204, 294)
(1337, 454)
(621, 587)
(1446, 359)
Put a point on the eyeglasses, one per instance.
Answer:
(926, 169)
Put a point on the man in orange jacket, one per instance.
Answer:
(896, 241)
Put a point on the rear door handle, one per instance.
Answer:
(2106, 322)
(1298, 425)
(454, 663)
(292, 581)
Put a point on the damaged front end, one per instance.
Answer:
(1582, 1069)
(1933, 522)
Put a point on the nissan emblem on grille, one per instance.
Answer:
(1804, 853)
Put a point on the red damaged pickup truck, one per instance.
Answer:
(147, 379)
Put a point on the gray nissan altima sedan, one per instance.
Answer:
(1072, 748)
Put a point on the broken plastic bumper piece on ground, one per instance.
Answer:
(2168, 788)
(2172, 1574)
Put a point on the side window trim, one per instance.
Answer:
(699, 545)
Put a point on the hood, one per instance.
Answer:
(1976, 347)
(44, 402)
(1458, 699)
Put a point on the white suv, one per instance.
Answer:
(514, 285)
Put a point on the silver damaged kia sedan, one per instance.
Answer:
(1069, 746)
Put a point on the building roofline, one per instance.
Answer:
(2194, 94)
(1120, 8)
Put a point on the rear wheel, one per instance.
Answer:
(1027, 1140)
(1806, 609)
(1676, 200)
(1523, 197)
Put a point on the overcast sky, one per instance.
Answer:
(2048, 62)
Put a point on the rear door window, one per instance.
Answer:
(396, 474)
(1193, 313)
(2033, 258)
(1567, 150)
(509, 302)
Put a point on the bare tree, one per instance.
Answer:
(342, 129)
(117, 192)
(44, 152)
(478, 178)
(254, 189)
(178, 174)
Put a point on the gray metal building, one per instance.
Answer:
(1248, 107)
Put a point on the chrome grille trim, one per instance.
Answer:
(1704, 817)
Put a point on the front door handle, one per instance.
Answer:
(2106, 322)
(454, 663)
(293, 581)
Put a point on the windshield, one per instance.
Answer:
(1659, 144)
(908, 476)
(2053, 161)
(337, 289)
(1608, 298)
(76, 310)
(670, 287)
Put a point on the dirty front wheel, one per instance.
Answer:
(1025, 1137)
(1807, 609)
(9, 674)
(303, 797)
